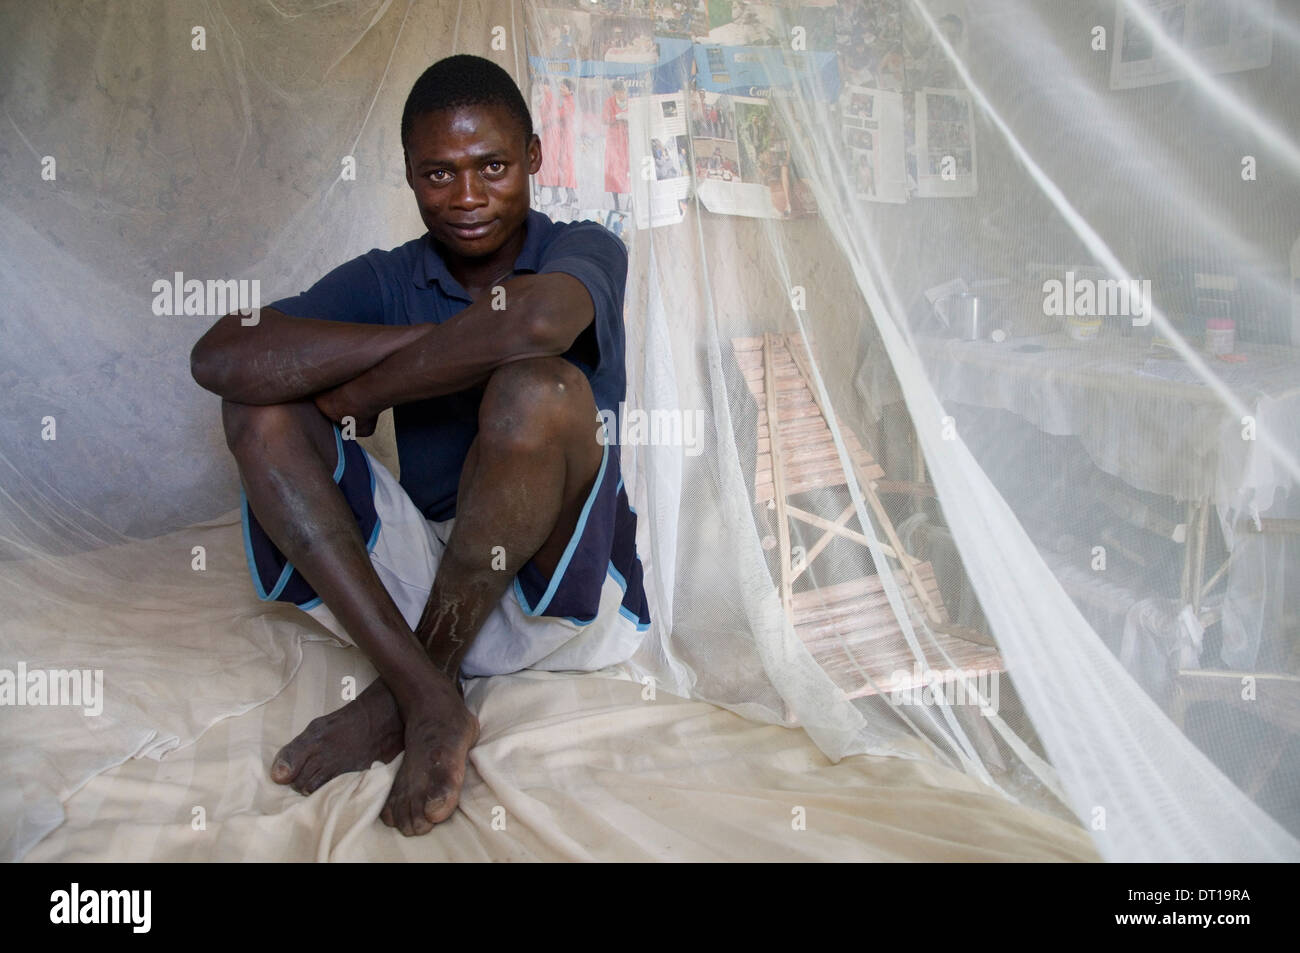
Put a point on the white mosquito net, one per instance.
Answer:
(963, 353)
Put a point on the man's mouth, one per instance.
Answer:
(471, 230)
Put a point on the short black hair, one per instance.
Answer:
(464, 80)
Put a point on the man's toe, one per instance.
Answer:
(288, 763)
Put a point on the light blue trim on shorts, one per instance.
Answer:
(628, 614)
(338, 449)
(623, 610)
(287, 571)
(560, 570)
(618, 577)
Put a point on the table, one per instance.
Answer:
(1149, 421)
(1120, 402)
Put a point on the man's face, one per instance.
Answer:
(469, 169)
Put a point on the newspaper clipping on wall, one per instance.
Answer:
(1224, 36)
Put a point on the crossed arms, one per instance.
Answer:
(360, 370)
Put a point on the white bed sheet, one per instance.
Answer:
(569, 768)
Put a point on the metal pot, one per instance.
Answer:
(968, 316)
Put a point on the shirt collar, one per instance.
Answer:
(431, 268)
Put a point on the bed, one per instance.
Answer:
(204, 683)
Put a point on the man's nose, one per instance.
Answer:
(469, 192)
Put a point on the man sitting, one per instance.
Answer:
(509, 543)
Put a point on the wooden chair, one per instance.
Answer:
(849, 628)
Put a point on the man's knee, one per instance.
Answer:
(536, 402)
(253, 428)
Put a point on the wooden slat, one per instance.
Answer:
(810, 438)
(844, 616)
(847, 617)
(857, 588)
(788, 422)
(800, 436)
(838, 592)
(763, 489)
(785, 415)
(812, 453)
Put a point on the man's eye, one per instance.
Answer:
(496, 168)
(437, 175)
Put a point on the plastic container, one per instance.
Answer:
(1220, 336)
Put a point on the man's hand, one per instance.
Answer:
(337, 404)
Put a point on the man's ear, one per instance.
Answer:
(534, 154)
(410, 179)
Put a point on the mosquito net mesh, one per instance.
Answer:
(962, 345)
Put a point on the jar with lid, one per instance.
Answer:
(1220, 336)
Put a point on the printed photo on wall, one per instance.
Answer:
(1224, 36)
(869, 40)
(557, 119)
(945, 144)
(560, 36)
(588, 154)
(728, 23)
(753, 173)
(621, 39)
(711, 115)
(926, 62)
(593, 39)
(659, 159)
(614, 119)
(871, 123)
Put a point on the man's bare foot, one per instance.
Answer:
(439, 736)
(365, 730)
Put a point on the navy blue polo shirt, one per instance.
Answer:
(411, 285)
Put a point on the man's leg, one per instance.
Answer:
(526, 478)
(522, 490)
(286, 455)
